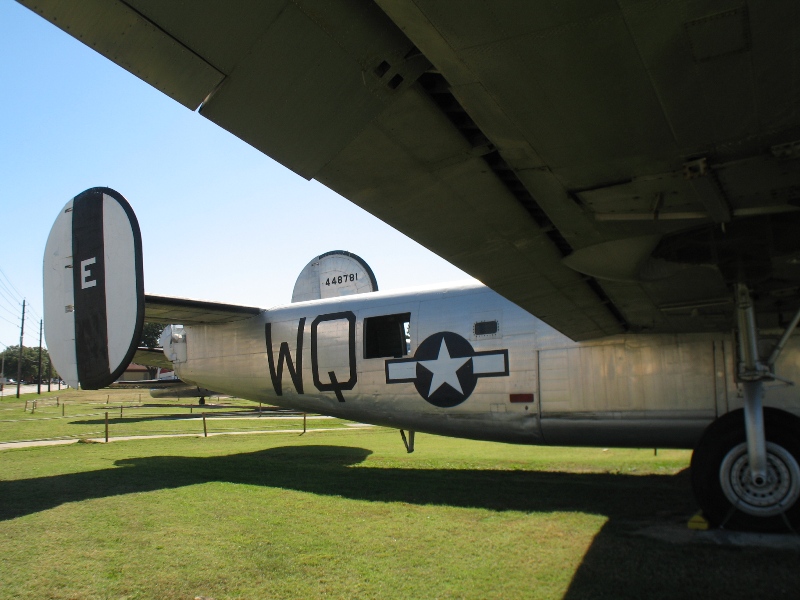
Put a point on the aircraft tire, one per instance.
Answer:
(720, 474)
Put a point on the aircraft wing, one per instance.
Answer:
(152, 358)
(607, 165)
(183, 311)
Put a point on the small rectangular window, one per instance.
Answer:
(385, 336)
(486, 327)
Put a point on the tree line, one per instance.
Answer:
(30, 363)
(30, 356)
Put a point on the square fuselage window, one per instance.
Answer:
(386, 336)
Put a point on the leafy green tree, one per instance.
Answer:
(30, 363)
(150, 334)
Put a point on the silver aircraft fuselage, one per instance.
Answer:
(472, 365)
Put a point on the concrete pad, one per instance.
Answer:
(681, 534)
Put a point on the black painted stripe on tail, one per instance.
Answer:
(88, 278)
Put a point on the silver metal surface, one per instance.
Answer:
(752, 373)
(627, 390)
(754, 431)
(333, 274)
(748, 336)
(503, 135)
(779, 491)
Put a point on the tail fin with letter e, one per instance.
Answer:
(93, 288)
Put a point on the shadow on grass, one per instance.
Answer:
(623, 565)
(619, 563)
(332, 470)
(219, 414)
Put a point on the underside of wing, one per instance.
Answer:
(183, 311)
(152, 358)
(608, 166)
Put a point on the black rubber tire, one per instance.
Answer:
(724, 434)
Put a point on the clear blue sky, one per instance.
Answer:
(219, 220)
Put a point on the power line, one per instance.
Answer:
(36, 316)
(3, 273)
(14, 308)
(9, 283)
(6, 288)
(30, 308)
(21, 344)
(8, 310)
(7, 321)
(11, 300)
(9, 291)
(15, 294)
(11, 295)
(7, 302)
(35, 313)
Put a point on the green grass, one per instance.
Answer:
(79, 414)
(348, 514)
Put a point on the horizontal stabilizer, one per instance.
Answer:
(152, 358)
(167, 311)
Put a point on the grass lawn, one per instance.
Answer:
(79, 414)
(348, 514)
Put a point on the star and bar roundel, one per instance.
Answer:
(445, 368)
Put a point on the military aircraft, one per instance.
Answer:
(456, 360)
(614, 168)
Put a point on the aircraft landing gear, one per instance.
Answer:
(722, 479)
(408, 443)
(746, 468)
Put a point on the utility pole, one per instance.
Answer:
(21, 333)
(39, 371)
(3, 372)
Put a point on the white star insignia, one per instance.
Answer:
(444, 369)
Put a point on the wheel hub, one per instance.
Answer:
(768, 496)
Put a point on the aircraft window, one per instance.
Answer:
(385, 336)
(486, 327)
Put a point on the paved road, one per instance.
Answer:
(10, 389)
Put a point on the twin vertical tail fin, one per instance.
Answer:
(93, 288)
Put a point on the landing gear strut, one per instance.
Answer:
(746, 468)
(752, 373)
(408, 443)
